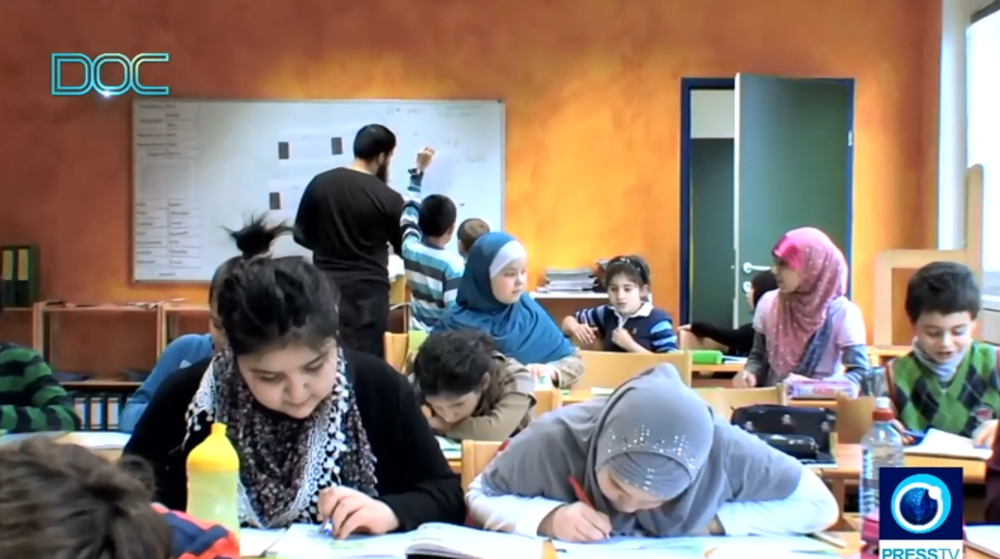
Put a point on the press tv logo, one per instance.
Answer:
(93, 80)
(920, 512)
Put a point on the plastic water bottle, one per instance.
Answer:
(213, 472)
(881, 447)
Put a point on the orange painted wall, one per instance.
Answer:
(592, 93)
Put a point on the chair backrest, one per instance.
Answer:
(608, 369)
(854, 418)
(396, 346)
(546, 400)
(725, 400)
(475, 456)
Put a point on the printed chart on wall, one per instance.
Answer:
(201, 168)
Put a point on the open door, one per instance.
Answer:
(792, 168)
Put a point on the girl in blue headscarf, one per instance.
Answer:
(492, 298)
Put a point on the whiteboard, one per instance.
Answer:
(200, 167)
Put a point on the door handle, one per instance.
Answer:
(749, 268)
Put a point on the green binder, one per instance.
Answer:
(26, 280)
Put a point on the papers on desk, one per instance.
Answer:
(947, 445)
(452, 449)
(985, 539)
(256, 543)
(782, 547)
(94, 440)
(303, 541)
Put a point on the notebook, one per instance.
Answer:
(985, 539)
(256, 543)
(947, 445)
(452, 449)
(304, 541)
(717, 547)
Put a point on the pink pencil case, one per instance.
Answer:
(822, 389)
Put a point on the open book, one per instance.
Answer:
(985, 539)
(947, 445)
(718, 547)
(303, 541)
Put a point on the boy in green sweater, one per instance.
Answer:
(31, 399)
(948, 381)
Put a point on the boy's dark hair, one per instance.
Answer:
(634, 268)
(62, 501)
(372, 141)
(453, 362)
(437, 215)
(275, 302)
(942, 287)
(470, 230)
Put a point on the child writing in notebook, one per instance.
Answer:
(64, 501)
(948, 381)
(473, 391)
(629, 322)
(651, 460)
(806, 329)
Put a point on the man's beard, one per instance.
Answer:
(383, 173)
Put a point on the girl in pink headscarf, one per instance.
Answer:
(806, 329)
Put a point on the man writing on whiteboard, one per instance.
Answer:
(348, 217)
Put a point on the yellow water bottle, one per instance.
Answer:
(213, 475)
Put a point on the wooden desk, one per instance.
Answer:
(848, 458)
(830, 404)
(848, 472)
(714, 376)
(455, 464)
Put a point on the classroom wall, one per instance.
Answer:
(592, 91)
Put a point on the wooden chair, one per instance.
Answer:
(396, 349)
(724, 400)
(854, 418)
(546, 400)
(475, 456)
(607, 369)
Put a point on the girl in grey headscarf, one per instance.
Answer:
(652, 460)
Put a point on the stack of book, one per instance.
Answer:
(568, 281)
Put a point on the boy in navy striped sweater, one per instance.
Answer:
(629, 323)
(432, 272)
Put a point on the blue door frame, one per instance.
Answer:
(687, 86)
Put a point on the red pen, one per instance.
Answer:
(580, 494)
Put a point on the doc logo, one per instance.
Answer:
(920, 513)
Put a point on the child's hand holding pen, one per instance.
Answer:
(578, 522)
(348, 512)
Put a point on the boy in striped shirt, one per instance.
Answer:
(31, 399)
(432, 272)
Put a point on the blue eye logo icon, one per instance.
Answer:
(921, 503)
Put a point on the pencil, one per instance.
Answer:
(828, 539)
(580, 494)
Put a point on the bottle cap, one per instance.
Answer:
(883, 410)
(215, 453)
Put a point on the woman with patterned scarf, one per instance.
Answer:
(322, 432)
